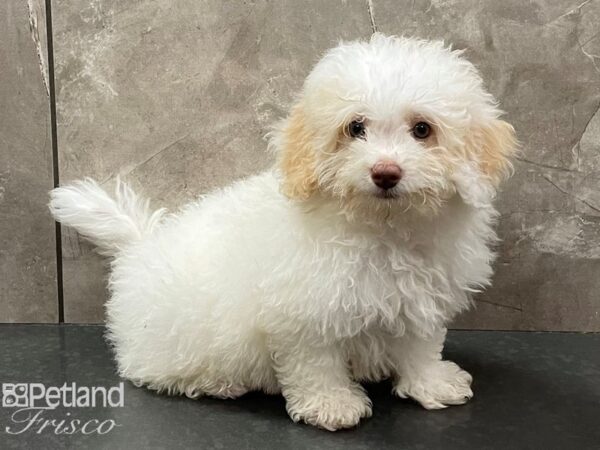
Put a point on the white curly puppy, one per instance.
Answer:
(343, 263)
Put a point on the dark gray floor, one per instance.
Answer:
(532, 390)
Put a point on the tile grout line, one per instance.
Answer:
(55, 172)
(371, 16)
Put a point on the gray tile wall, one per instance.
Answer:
(28, 289)
(177, 99)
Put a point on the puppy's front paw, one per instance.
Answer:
(440, 385)
(332, 410)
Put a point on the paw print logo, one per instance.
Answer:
(14, 395)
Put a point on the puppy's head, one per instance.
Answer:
(394, 123)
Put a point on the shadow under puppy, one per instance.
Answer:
(343, 263)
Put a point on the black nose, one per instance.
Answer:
(386, 174)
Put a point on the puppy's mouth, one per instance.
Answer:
(387, 194)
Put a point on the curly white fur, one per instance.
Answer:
(304, 280)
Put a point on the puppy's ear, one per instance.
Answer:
(494, 144)
(296, 156)
(489, 149)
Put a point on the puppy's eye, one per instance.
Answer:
(421, 130)
(356, 129)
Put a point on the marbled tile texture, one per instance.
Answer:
(176, 98)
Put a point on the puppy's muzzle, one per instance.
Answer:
(386, 174)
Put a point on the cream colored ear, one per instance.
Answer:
(495, 144)
(296, 156)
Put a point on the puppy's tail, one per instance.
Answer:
(109, 223)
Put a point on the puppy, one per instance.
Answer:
(342, 264)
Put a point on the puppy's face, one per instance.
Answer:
(394, 123)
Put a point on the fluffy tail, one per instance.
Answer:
(109, 223)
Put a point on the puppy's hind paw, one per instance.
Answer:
(331, 411)
(441, 385)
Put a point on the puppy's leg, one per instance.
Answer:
(317, 387)
(425, 377)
